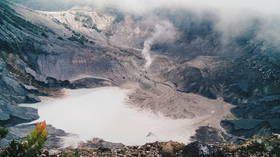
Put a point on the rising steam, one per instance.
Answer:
(163, 32)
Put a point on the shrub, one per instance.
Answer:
(31, 147)
(3, 132)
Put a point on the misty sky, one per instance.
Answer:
(270, 6)
(265, 6)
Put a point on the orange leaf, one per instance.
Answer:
(44, 125)
(38, 126)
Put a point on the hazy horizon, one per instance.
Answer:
(268, 6)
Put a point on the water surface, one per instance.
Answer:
(105, 113)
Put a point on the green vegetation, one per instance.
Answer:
(60, 38)
(86, 20)
(79, 38)
(31, 147)
(61, 23)
(3, 132)
(9, 15)
(44, 35)
(96, 29)
(81, 17)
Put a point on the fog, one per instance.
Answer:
(265, 6)
(233, 17)
(105, 113)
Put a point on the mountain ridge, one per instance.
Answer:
(53, 49)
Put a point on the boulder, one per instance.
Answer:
(197, 149)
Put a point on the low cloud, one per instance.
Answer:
(265, 6)
(234, 17)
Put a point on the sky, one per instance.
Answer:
(267, 6)
(234, 16)
(264, 6)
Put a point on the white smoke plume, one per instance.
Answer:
(235, 17)
(163, 32)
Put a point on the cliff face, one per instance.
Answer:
(42, 52)
(12, 90)
(34, 56)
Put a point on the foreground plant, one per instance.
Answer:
(3, 132)
(32, 146)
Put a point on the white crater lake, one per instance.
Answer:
(105, 113)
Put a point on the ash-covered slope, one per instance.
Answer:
(193, 72)
(13, 30)
(242, 69)
(35, 57)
